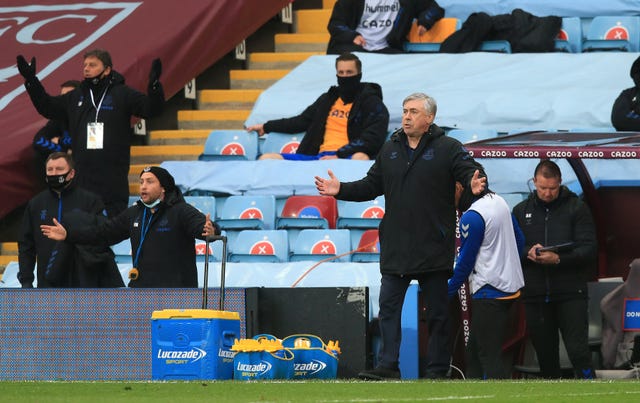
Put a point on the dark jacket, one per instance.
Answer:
(33, 247)
(366, 127)
(566, 219)
(346, 16)
(167, 257)
(43, 146)
(625, 114)
(524, 31)
(103, 171)
(417, 232)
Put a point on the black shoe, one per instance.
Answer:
(435, 375)
(379, 374)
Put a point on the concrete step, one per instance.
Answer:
(328, 3)
(9, 248)
(155, 155)
(311, 21)
(281, 60)
(183, 137)
(255, 79)
(231, 119)
(227, 99)
(301, 42)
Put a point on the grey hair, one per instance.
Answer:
(429, 103)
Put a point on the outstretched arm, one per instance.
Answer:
(328, 187)
(56, 231)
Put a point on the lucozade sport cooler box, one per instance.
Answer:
(193, 344)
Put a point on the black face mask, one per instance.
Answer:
(57, 182)
(348, 87)
(97, 81)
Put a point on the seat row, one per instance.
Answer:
(602, 33)
(243, 145)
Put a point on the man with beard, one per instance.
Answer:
(98, 115)
(348, 121)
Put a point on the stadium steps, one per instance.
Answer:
(227, 99)
(255, 79)
(282, 60)
(311, 21)
(315, 42)
(156, 154)
(210, 119)
(183, 137)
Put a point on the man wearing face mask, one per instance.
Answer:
(348, 121)
(162, 228)
(62, 199)
(99, 121)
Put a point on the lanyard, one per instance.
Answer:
(99, 104)
(143, 233)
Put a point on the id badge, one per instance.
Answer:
(95, 135)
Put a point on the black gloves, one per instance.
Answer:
(28, 71)
(154, 74)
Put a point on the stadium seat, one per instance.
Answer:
(468, 136)
(368, 248)
(308, 212)
(495, 46)
(621, 33)
(270, 246)
(215, 250)
(247, 212)
(318, 244)
(365, 214)
(569, 38)
(430, 41)
(281, 143)
(513, 198)
(230, 145)
(133, 200)
(204, 204)
(122, 250)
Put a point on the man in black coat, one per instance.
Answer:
(355, 26)
(555, 281)
(416, 171)
(162, 228)
(98, 115)
(625, 114)
(348, 121)
(63, 265)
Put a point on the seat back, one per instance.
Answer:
(215, 250)
(248, 212)
(318, 244)
(367, 214)
(308, 212)
(368, 247)
(230, 145)
(281, 143)
(617, 33)
(260, 246)
(204, 204)
(469, 135)
(122, 251)
(499, 46)
(430, 41)
(569, 38)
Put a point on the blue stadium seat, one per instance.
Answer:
(122, 250)
(230, 145)
(495, 46)
(368, 248)
(514, 198)
(621, 33)
(569, 38)
(308, 212)
(468, 135)
(215, 250)
(281, 143)
(204, 204)
(133, 200)
(367, 214)
(248, 212)
(270, 246)
(430, 41)
(318, 244)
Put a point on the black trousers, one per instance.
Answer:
(571, 318)
(488, 329)
(434, 290)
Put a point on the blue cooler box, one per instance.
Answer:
(193, 344)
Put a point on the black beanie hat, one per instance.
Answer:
(635, 72)
(164, 177)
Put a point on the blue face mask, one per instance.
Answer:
(151, 205)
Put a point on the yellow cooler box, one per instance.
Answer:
(193, 344)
